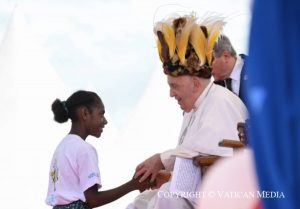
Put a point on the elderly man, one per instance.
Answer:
(228, 68)
(211, 112)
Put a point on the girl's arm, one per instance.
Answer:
(95, 198)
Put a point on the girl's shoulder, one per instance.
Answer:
(76, 144)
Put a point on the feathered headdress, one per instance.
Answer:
(185, 46)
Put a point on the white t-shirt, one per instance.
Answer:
(74, 169)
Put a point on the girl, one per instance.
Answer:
(74, 177)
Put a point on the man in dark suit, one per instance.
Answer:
(228, 68)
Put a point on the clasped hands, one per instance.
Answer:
(151, 171)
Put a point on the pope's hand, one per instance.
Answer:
(149, 168)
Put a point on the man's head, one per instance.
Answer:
(186, 89)
(224, 58)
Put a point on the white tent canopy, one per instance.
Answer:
(28, 86)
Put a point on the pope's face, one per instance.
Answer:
(181, 88)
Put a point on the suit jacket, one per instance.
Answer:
(243, 79)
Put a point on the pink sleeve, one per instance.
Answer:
(88, 172)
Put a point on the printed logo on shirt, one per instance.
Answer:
(51, 199)
(93, 174)
(54, 174)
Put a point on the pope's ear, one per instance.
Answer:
(196, 82)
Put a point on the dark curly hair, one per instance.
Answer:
(63, 110)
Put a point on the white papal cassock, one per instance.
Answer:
(214, 117)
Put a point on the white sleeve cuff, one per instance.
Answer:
(168, 159)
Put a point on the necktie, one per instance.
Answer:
(220, 82)
(225, 83)
(228, 83)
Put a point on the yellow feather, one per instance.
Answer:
(213, 34)
(183, 40)
(198, 42)
(169, 36)
(158, 45)
(212, 38)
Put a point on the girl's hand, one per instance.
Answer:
(141, 186)
(162, 177)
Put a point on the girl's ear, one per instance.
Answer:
(83, 113)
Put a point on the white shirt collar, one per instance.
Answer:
(237, 69)
(203, 95)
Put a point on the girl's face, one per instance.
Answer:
(97, 121)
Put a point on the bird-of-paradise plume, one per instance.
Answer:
(183, 27)
(169, 36)
(158, 45)
(164, 47)
(198, 41)
(214, 29)
(210, 44)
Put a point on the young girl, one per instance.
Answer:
(74, 177)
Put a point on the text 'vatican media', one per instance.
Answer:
(223, 194)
